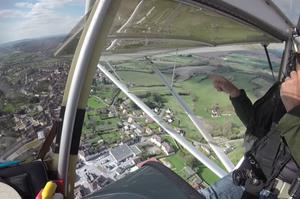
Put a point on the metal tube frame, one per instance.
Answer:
(285, 58)
(76, 87)
(180, 139)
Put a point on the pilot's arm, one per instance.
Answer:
(243, 107)
(241, 103)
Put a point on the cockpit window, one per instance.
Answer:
(149, 40)
(32, 80)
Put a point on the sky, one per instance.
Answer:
(22, 19)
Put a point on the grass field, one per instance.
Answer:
(207, 175)
(95, 103)
(178, 164)
(111, 137)
(236, 154)
(176, 161)
(140, 78)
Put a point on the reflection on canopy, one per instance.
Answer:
(155, 24)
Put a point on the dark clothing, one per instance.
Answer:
(271, 137)
(258, 118)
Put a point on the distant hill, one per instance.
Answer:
(46, 45)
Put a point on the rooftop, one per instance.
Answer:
(121, 152)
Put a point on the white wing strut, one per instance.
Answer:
(180, 139)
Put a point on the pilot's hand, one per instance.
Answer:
(224, 85)
(290, 90)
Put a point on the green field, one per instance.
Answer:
(178, 163)
(207, 175)
(111, 137)
(140, 78)
(236, 154)
(96, 103)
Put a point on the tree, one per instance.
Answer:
(190, 160)
(154, 100)
(195, 98)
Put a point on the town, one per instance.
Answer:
(27, 118)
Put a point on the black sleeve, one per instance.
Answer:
(243, 107)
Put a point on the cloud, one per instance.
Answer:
(24, 5)
(39, 19)
(44, 19)
(10, 13)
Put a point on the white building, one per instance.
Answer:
(156, 140)
(41, 135)
(167, 149)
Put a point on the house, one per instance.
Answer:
(216, 111)
(112, 113)
(170, 120)
(149, 131)
(122, 107)
(138, 130)
(126, 128)
(168, 116)
(206, 149)
(167, 149)
(156, 140)
(41, 135)
(130, 120)
(134, 126)
(168, 111)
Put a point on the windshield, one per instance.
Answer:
(32, 80)
(176, 38)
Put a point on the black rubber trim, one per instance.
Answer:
(79, 119)
(236, 13)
